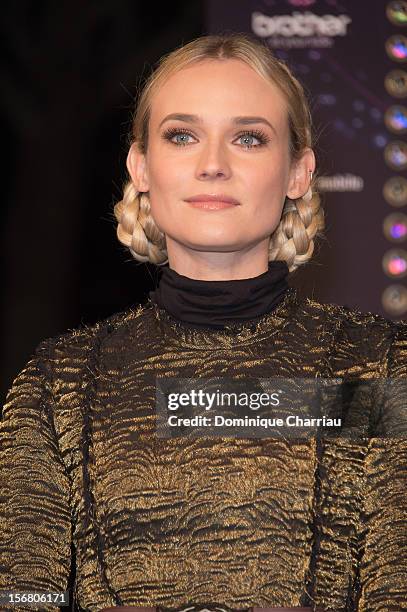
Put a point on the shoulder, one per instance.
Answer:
(83, 339)
(364, 334)
(345, 318)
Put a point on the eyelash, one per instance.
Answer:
(261, 136)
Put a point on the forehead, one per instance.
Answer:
(218, 89)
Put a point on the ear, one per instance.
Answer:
(136, 165)
(300, 177)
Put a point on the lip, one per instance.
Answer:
(213, 197)
(211, 205)
(212, 201)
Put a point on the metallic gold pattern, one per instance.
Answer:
(175, 523)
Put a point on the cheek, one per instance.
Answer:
(267, 186)
(166, 176)
(268, 197)
(165, 187)
(265, 172)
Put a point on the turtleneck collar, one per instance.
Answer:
(213, 304)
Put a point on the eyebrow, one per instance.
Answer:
(241, 120)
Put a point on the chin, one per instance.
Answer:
(220, 244)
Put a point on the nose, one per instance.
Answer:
(213, 162)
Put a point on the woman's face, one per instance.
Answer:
(231, 137)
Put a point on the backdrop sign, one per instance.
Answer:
(350, 57)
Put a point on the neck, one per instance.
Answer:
(216, 303)
(216, 266)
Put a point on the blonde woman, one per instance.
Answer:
(221, 196)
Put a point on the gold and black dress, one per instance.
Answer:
(237, 522)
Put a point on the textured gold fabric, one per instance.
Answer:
(236, 522)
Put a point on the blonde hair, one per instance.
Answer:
(301, 220)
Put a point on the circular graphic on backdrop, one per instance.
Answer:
(395, 263)
(395, 191)
(395, 119)
(396, 12)
(395, 227)
(395, 155)
(396, 83)
(394, 299)
(396, 48)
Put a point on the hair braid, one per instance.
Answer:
(136, 227)
(293, 239)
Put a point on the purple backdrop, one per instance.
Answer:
(338, 51)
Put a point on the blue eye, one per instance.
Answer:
(258, 135)
(172, 132)
(183, 136)
(249, 136)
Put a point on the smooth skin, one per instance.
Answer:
(215, 156)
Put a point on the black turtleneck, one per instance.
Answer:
(214, 304)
